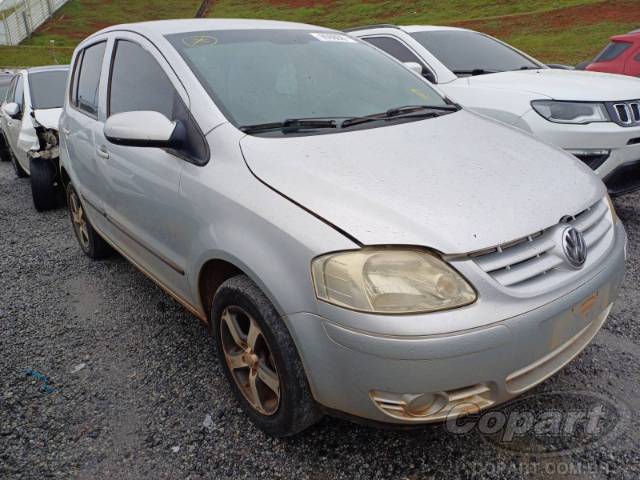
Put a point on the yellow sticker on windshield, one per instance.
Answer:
(199, 40)
(420, 93)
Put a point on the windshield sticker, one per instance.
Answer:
(199, 41)
(333, 37)
(420, 93)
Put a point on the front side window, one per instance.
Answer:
(5, 83)
(471, 53)
(87, 78)
(11, 93)
(47, 89)
(394, 48)
(138, 83)
(612, 51)
(262, 76)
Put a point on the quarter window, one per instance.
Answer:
(86, 82)
(138, 83)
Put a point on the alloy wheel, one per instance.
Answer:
(79, 220)
(250, 361)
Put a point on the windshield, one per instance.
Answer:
(47, 89)
(468, 53)
(261, 76)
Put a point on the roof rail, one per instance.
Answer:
(366, 27)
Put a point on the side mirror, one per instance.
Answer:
(11, 109)
(143, 129)
(415, 67)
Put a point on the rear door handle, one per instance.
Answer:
(102, 152)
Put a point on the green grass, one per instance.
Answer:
(78, 19)
(347, 13)
(552, 30)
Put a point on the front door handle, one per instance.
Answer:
(66, 131)
(102, 152)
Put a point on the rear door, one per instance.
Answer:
(79, 123)
(4, 118)
(632, 65)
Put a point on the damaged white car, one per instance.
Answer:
(29, 121)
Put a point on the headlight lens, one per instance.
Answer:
(571, 112)
(613, 210)
(390, 281)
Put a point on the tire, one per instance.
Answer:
(242, 303)
(43, 184)
(20, 172)
(5, 156)
(91, 243)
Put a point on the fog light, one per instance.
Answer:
(592, 158)
(426, 404)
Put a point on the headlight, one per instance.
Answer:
(613, 210)
(390, 281)
(571, 112)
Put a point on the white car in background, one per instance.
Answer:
(594, 116)
(29, 122)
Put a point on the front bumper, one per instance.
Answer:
(369, 375)
(621, 169)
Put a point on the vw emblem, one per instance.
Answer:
(574, 246)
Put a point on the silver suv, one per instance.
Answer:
(357, 243)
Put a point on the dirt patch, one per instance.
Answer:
(300, 3)
(619, 11)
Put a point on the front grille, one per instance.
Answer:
(536, 262)
(626, 114)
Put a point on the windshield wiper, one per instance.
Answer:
(475, 71)
(408, 111)
(290, 125)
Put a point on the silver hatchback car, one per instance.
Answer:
(357, 243)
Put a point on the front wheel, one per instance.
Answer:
(91, 243)
(260, 360)
(43, 184)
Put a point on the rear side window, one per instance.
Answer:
(138, 83)
(612, 51)
(86, 81)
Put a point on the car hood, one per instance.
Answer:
(563, 84)
(457, 183)
(48, 118)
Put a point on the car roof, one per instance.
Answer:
(167, 27)
(409, 28)
(47, 68)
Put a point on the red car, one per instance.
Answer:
(621, 56)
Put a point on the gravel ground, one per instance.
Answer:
(134, 389)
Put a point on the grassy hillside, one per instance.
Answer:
(563, 31)
(79, 18)
(556, 31)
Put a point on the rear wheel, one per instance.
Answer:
(260, 360)
(43, 184)
(20, 172)
(91, 243)
(5, 156)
